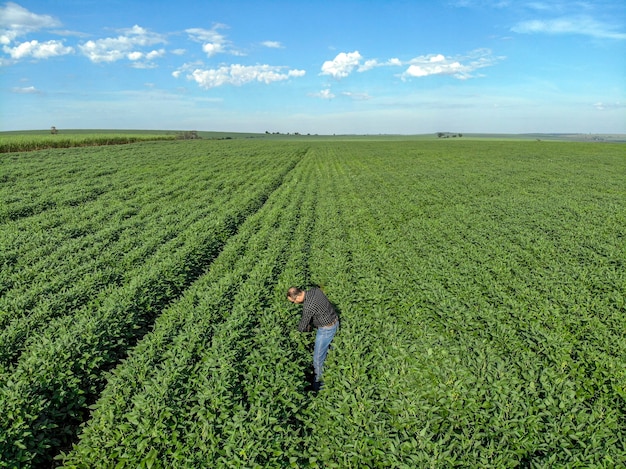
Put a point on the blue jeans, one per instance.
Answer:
(322, 342)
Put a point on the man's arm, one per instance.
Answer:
(305, 322)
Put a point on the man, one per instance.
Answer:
(317, 312)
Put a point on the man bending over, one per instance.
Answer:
(319, 313)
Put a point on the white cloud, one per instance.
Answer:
(357, 96)
(459, 67)
(374, 63)
(37, 50)
(342, 65)
(211, 49)
(206, 35)
(583, 25)
(135, 55)
(145, 61)
(125, 45)
(453, 68)
(602, 106)
(433, 64)
(212, 41)
(16, 21)
(323, 94)
(369, 65)
(155, 54)
(272, 44)
(26, 90)
(241, 74)
(102, 51)
(143, 65)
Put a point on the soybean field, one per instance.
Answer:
(480, 285)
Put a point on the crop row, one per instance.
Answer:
(480, 287)
(457, 348)
(73, 258)
(35, 182)
(45, 394)
(219, 381)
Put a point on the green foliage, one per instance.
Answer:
(32, 141)
(480, 287)
(55, 367)
(482, 307)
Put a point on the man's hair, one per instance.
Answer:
(293, 292)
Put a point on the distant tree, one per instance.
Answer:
(53, 130)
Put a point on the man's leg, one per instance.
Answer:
(323, 338)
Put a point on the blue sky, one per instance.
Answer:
(365, 67)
